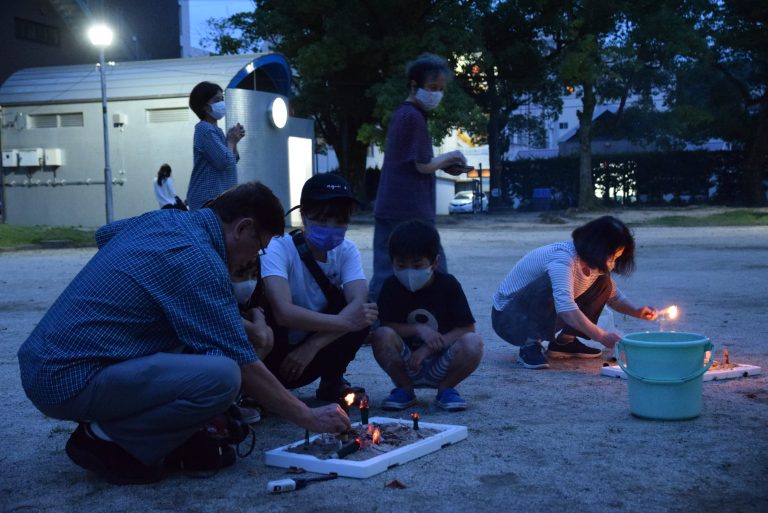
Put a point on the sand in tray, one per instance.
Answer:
(393, 436)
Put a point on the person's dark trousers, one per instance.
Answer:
(382, 265)
(531, 315)
(329, 364)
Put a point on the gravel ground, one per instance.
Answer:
(551, 440)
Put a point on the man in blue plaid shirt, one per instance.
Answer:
(147, 344)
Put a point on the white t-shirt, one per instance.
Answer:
(166, 193)
(282, 259)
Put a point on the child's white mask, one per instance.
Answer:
(414, 279)
(243, 290)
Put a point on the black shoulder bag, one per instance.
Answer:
(334, 295)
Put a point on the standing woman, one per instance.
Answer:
(215, 155)
(407, 186)
(165, 192)
(564, 287)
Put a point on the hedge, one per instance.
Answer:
(647, 178)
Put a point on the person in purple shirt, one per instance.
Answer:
(407, 185)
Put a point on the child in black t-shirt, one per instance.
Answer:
(427, 336)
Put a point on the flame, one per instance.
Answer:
(672, 312)
(415, 415)
(349, 398)
(376, 436)
(370, 429)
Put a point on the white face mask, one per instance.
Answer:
(218, 110)
(414, 279)
(243, 290)
(428, 99)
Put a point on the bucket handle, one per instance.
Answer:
(693, 376)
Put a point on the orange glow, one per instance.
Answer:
(364, 402)
(415, 415)
(376, 436)
(370, 429)
(349, 398)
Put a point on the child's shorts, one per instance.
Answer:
(433, 368)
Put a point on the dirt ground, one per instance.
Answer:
(549, 440)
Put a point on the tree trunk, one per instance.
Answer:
(756, 160)
(587, 198)
(352, 155)
(494, 159)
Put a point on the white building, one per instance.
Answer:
(52, 143)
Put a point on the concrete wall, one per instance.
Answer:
(137, 150)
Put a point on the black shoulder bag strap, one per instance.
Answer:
(334, 295)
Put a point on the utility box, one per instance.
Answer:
(31, 157)
(119, 119)
(54, 157)
(10, 158)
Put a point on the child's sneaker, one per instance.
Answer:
(532, 357)
(399, 399)
(573, 349)
(449, 399)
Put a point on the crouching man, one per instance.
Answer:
(146, 344)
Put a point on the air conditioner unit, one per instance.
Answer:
(54, 157)
(31, 157)
(10, 158)
(119, 119)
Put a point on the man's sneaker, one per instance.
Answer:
(449, 399)
(107, 459)
(399, 399)
(249, 415)
(572, 349)
(532, 357)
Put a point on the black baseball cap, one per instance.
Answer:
(326, 186)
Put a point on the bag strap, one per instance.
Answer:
(329, 289)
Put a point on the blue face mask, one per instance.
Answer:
(325, 238)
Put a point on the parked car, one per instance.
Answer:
(465, 202)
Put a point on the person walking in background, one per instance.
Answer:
(165, 192)
(215, 157)
(564, 287)
(407, 186)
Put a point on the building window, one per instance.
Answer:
(72, 119)
(167, 115)
(563, 126)
(37, 32)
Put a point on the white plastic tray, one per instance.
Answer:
(740, 371)
(448, 434)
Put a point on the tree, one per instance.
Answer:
(723, 91)
(509, 68)
(349, 56)
(615, 49)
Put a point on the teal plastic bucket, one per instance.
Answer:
(664, 372)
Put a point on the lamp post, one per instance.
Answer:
(101, 37)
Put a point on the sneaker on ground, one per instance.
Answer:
(450, 400)
(573, 349)
(249, 415)
(532, 357)
(108, 460)
(399, 399)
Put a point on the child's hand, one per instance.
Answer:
(417, 357)
(431, 338)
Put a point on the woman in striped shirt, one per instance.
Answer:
(564, 287)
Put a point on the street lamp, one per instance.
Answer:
(101, 36)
